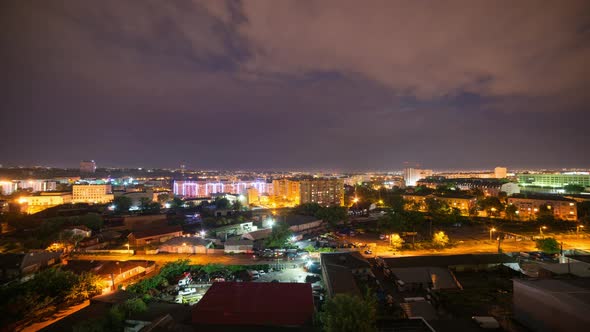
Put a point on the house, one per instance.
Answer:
(154, 235)
(260, 234)
(24, 266)
(186, 245)
(412, 278)
(238, 246)
(465, 262)
(340, 271)
(552, 305)
(233, 230)
(80, 230)
(302, 224)
(112, 273)
(238, 306)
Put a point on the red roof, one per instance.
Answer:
(255, 303)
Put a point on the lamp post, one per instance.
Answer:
(492, 230)
(578, 229)
(541, 230)
(356, 201)
(128, 249)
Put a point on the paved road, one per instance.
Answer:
(195, 259)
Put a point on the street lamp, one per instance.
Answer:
(541, 230)
(492, 230)
(578, 229)
(202, 234)
(128, 249)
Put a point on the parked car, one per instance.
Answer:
(368, 252)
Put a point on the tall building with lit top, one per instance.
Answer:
(322, 191)
(412, 175)
(87, 166)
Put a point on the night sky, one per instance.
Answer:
(336, 85)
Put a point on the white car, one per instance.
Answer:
(187, 291)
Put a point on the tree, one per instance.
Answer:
(440, 239)
(548, 245)
(573, 188)
(221, 203)
(545, 214)
(307, 209)
(237, 205)
(163, 198)
(511, 212)
(122, 204)
(396, 241)
(279, 236)
(144, 203)
(348, 313)
(492, 205)
(176, 203)
(332, 214)
(92, 220)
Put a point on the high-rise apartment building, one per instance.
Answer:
(286, 192)
(87, 166)
(412, 175)
(322, 191)
(92, 193)
(500, 172)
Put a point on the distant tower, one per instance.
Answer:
(500, 172)
(182, 169)
(87, 166)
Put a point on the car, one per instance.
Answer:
(187, 291)
(368, 252)
(381, 237)
(261, 272)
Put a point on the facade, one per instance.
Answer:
(528, 206)
(322, 191)
(500, 172)
(510, 188)
(412, 175)
(87, 166)
(92, 193)
(36, 185)
(186, 245)
(557, 180)
(154, 235)
(111, 273)
(286, 192)
(238, 246)
(24, 266)
(7, 187)
(462, 202)
(206, 188)
(45, 200)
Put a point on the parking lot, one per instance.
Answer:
(297, 274)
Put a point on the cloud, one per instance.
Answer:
(427, 49)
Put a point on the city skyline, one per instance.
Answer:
(291, 85)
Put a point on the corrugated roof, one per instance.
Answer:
(255, 304)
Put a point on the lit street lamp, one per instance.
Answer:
(128, 249)
(492, 230)
(578, 229)
(541, 230)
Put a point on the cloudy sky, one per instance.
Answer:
(276, 84)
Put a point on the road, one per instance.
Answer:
(195, 259)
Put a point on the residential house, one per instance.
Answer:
(24, 266)
(340, 270)
(186, 245)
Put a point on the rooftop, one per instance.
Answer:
(350, 260)
(294, 220)
(543, 197)
(447, 260)
(255, 304)
(156, 231)
(189, 240)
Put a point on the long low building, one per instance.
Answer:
(154, 235)
(529, 206)
(186, 245)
